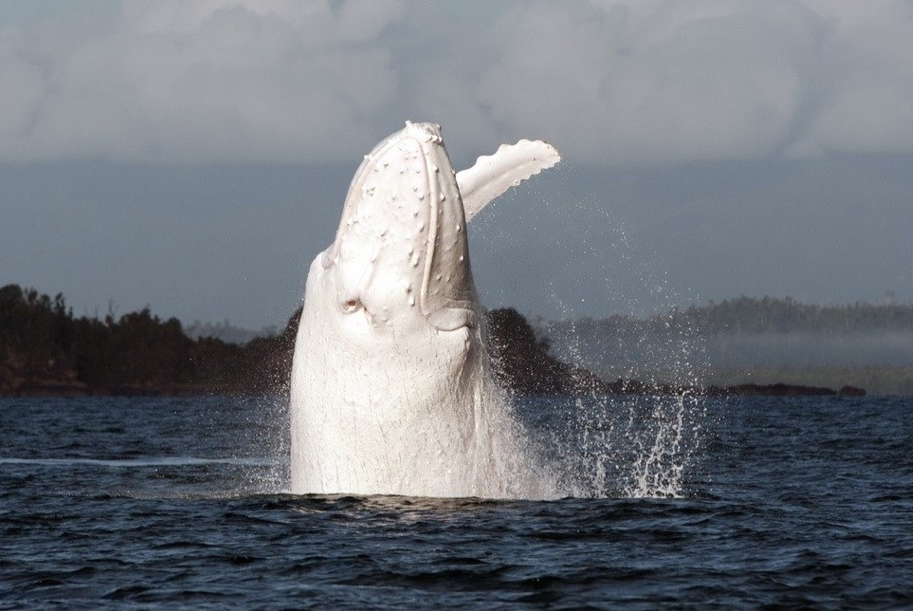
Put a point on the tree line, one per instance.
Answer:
(45, 349)
(765, 315)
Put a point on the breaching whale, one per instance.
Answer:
(391, 391)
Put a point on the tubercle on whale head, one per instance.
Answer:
(401, 244)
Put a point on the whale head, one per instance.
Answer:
(401, 253)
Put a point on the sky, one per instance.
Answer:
(193, 157)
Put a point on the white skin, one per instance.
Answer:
(391, 392)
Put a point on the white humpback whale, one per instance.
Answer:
(391, 391)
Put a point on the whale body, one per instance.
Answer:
(391, 391)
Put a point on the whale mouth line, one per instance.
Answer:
(433, 191)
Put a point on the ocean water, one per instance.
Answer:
(178, 503)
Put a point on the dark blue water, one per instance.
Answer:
(177, 503)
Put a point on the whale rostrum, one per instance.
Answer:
(391, 391)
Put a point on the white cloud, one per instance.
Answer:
(208, 81)
(21, 91)
(691, 80)
(871, 85)
(269, 80)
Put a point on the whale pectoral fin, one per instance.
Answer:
(452, 318)
(492, 175)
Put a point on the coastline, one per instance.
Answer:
(579, 382)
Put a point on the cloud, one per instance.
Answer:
(208, 81)
(871, 78)
(608, 81)
(705, 80)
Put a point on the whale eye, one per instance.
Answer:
(350, 305)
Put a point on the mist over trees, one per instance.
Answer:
(764, 339)
(745, 332)
(765, 315)
(226, 332)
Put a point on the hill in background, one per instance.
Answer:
(748, 339)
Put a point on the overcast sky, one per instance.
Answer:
(194, 156)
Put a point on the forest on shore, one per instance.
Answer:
(765, 315)
(45, 350)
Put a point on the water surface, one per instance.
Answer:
(179, 503)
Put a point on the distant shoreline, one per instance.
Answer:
(46, 351)
(57, 388)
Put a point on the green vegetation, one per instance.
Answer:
(45, 350)
(765, 315)
(521, 360)
(769, 315)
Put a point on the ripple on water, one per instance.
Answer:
(774, 518)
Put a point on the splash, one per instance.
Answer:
(628, 446)
(640, 444)
(637, 445)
